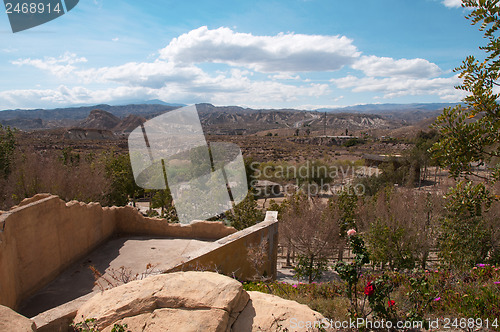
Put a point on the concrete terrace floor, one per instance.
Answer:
(132, 253)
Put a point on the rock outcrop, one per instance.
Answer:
(265, 312)
(192, 301)
(99, 119)
(12, 321)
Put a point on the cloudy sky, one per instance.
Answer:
(283, 53)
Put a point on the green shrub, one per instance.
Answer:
(465, 239)
(246, 213)
(310, 267)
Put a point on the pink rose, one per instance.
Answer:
(351, 232)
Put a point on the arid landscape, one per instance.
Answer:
(329, 175)
(250, 166)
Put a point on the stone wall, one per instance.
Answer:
(130, 222)
(248, 254)
(44, 235)
(40, 239)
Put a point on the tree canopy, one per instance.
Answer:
(470, 133)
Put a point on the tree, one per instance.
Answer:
(162, 198)
(400, 226)
(470, 134)
(7, 146)
(465, 238)
(345, 208)
(123, 186)
(347, 203)
(470, 143)
(309, 227)
(281, 208)
(316, 173)
(419, 156)
(245, 213)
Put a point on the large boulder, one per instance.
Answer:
(265, 312)
(168, 319)
(12, 321)
(194, 301)
(199, 301)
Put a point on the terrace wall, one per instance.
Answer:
(248, 254)
(44, 235)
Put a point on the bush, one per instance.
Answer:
(310, 267)
(401, 226)
(353, 142)
(41, 172)
(465, 239)
(246, 213)
(7, 146)
(309, 228)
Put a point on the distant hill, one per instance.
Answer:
(99, 119)
(237, 120)
(225, 119)
(389, 108)
(72, 116)
(105, 121)
(160, 102)
(409, 113)
(80, 113)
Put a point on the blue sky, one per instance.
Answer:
(288, 53)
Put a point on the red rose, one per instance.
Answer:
(391, 303)
(369, 289)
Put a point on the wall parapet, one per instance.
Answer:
(248, 254)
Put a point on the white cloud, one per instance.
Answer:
(284, 76)
(388, 67)
(281, 53)
(64, 95)
(61, 66)
(392, 87)
(452, 3)
(146, 74)
(232, 89)
(177, 73)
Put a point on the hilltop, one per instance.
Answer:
(228, 120)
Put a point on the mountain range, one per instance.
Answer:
(389, 108)
(224, 119)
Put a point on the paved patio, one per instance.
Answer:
(131, 253)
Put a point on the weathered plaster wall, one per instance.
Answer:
(40, 239)
(129, 221)
(44, 235)
(248, 254)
